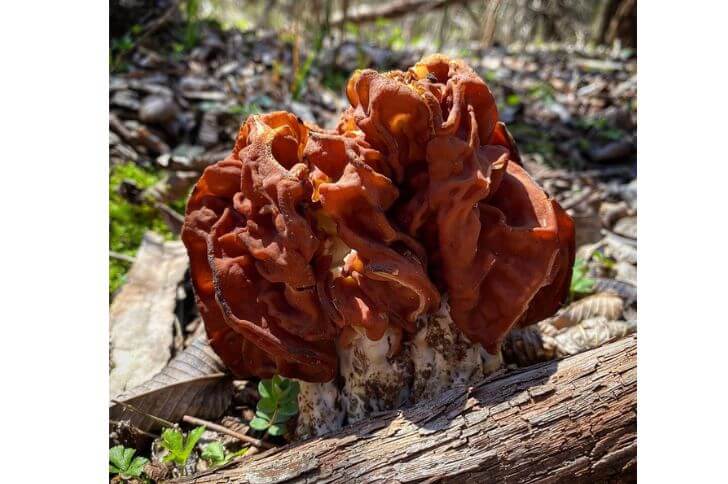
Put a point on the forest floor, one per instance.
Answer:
(176, 109)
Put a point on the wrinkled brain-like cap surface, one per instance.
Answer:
(303, 235)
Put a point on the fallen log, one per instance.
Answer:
(572, 420)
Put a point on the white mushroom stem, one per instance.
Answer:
(376, 376)
(444, 357)
(319, 409)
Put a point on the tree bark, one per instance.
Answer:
(623, 25)
(572, 420)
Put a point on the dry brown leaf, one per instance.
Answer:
(193, 383)
(625, 290)
(626, 227)
(610, 212)
(591, 333)
(603, 304)
(626, 272)
(141, 317)
(620, 248)
(542, 342)
(530, 345)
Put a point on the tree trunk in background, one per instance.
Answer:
(623, 24)
(546, 16)
(604, 14)
(387, 10)
(491, 10)
(267, 10)
(573, 420)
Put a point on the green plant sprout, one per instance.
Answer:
(215, 454)
(278, 403)
(123, 462)
(178, 446)
(581, 283)
(605, 261)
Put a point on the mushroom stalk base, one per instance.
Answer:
(374, 381)
(443, 356)
(438, 357)
(319, 409)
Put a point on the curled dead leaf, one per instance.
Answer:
(626, 227)
(625, 290)
(626, 272)
(591, 333)
(193, 383)
(603, 304)
(619, 248)
(610, 212)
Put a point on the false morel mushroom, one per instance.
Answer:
(381, 262)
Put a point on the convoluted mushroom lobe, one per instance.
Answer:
(319, 253)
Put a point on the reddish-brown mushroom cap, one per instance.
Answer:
(301, 233)
(503, 249)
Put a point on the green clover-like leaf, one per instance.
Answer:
(276, 386)
(280, 418)
(122, 462)
(291, 390)
(265, 389)
(136, 467)
(266, 406)
(116, 456)
(288, 408)
(214, 453)
(259, 423)
(277, 430)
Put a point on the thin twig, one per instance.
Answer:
(120, 256)
(174, 220)
(136, 429)
(219, 428)
(573, 202)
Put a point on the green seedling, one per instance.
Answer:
(606, 262)
(581, 283)
(179, 446)
(278, 403)
(215, 454)
(123, 463)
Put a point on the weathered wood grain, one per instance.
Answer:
(572, 420)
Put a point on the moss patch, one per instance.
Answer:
(129, 221)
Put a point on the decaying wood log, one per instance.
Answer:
(572, 420)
